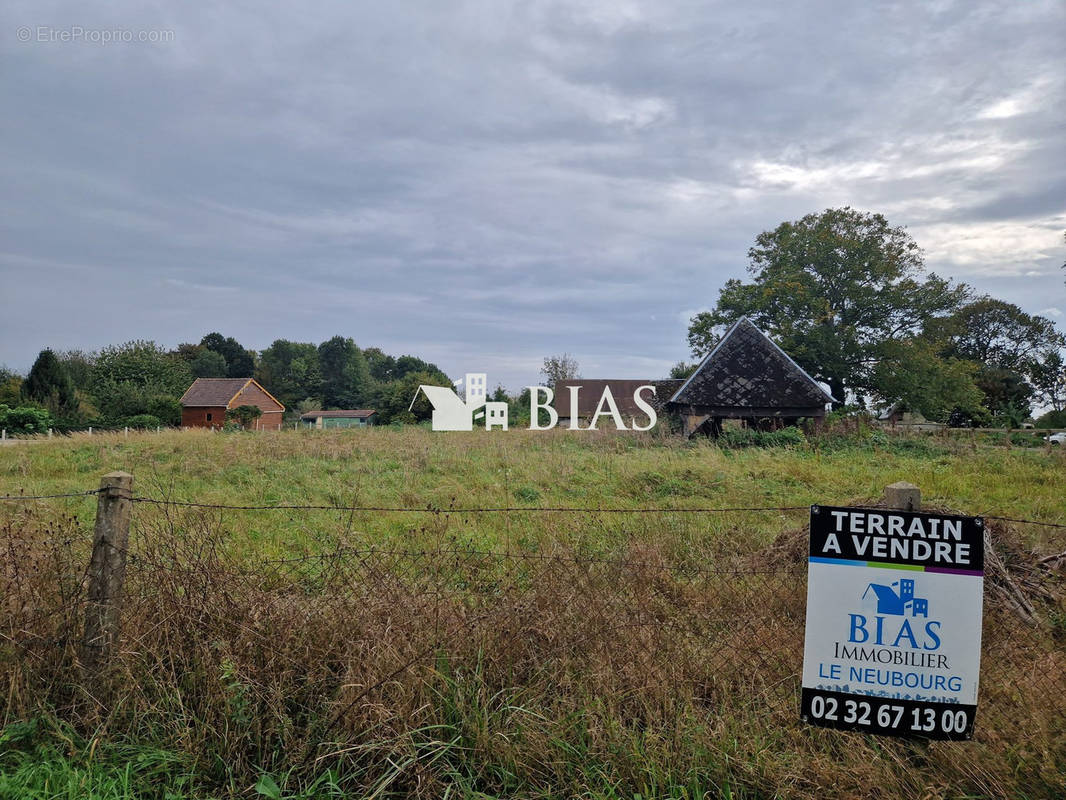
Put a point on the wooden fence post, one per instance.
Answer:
(107, 571)
(903, 496)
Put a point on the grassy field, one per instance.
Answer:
(255, 665)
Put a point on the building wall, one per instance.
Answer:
(252, 395)
(342, 422)
(339, 422)
(269, 421)
(198, 417)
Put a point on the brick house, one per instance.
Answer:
(205, 403)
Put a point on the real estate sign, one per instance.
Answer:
(893, 640)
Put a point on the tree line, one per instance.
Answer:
(848, 297)
(140, 383)
(843, 292)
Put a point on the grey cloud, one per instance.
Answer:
(490, 182)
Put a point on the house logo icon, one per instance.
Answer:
(899, 604)
(450, 413)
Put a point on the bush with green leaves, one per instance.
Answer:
(748, 437)
(244, 415)
(143, 421)
(25, 419)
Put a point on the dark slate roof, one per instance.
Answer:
(357, 413)
(621, 390)
(746, 369)
(213, 391)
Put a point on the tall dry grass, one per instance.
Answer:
(545, 670)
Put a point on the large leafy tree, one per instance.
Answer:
(209, 364)
(400, 401)
(240, 363)
(1048, 377)
(382, 366)
(1016, 354)
(79, 365)
(10, 387)
(346, 381)
(913, 373)
(49, 384)
(559, 368)
(290, 372)
(831, 288)
(999, 334)
(136, 378)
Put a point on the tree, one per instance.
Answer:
(290, 371)
(144, 364)
(10, 387)
(244, 415)
(1049, 380)
(382, 366)
(996, 333)
(683, 369)
(831, 288)
(208, 364)
(1017, 354)
(559, 368)
(50, 385)
(240, 363)
(405, 365)
(79, 365)
(346, 381)
(135, 377)
(913, 374)
(394, 399)
(1006, 393)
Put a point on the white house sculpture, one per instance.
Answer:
(452, 414)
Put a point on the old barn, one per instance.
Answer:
(747, 377)
(205, 403)
(581, 398)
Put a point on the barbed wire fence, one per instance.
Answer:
(357, 632)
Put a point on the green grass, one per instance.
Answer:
(197, 722)
(417, 468)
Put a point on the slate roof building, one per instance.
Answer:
(747, 377)
(205, 403)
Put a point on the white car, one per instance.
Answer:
(1057, 438)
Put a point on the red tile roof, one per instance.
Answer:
(213, 391)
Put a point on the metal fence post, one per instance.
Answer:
(107, 571)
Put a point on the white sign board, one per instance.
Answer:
(893, 639)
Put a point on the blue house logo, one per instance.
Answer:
(889, 602)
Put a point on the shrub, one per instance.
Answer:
(746, 437)
(143, 421)
(244, 415)
(1052, 419)
(25, 419)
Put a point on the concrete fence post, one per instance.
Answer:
(3, 436)
(107, 572)
(127, 432)
(903, 496)
(49, 433)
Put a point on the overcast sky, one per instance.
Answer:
(485, 183)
